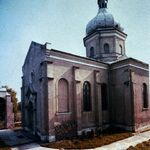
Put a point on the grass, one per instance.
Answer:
(3, 146)
(86, 143)
(141, 146)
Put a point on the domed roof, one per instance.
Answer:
(103, 19)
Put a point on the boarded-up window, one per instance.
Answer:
(104, 96)
(87, 96)
(145, 96)
(63, 96)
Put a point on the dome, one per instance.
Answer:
(103, 19)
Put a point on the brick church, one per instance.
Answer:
(74, 94)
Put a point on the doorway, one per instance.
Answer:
(2, 113)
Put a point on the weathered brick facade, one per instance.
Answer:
(104, 89)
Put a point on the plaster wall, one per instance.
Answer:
(34, 80)
(142, 115)
(121, 101)
(76, 75)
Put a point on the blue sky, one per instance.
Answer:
(63, 23)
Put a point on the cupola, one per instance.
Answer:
(105, 39)
(103, 19)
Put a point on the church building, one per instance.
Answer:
(66, 95)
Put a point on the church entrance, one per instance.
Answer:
(31, 109)
(2, 113)
(30, 115)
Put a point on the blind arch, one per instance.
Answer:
(63, 96)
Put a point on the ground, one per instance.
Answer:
(18, 139)
(141, 146)
(91, 142)
(14, 137)
(3, 146)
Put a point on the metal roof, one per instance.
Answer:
(103, 19)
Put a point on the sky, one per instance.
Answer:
(63, 23)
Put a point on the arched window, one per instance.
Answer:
(104, 96)
(92, 52)
(120, 49)
(106, 48)
(87, 96)
(145, 96)
(63, 96)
